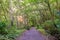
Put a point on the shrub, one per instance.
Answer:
(2, 27)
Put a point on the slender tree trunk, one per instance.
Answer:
(11, 13)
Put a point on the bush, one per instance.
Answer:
(2, 27)
(51, 29)
(2, 24)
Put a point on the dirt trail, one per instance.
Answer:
(32, 34)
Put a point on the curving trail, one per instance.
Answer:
(31, 34)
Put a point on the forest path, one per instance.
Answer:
(32, 34)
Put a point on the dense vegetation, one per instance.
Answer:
(19, 15)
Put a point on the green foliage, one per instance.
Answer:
(12, 33)
(2, 27)
(39, 13)
(8, 33)
(51, 29)
(2, 24)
